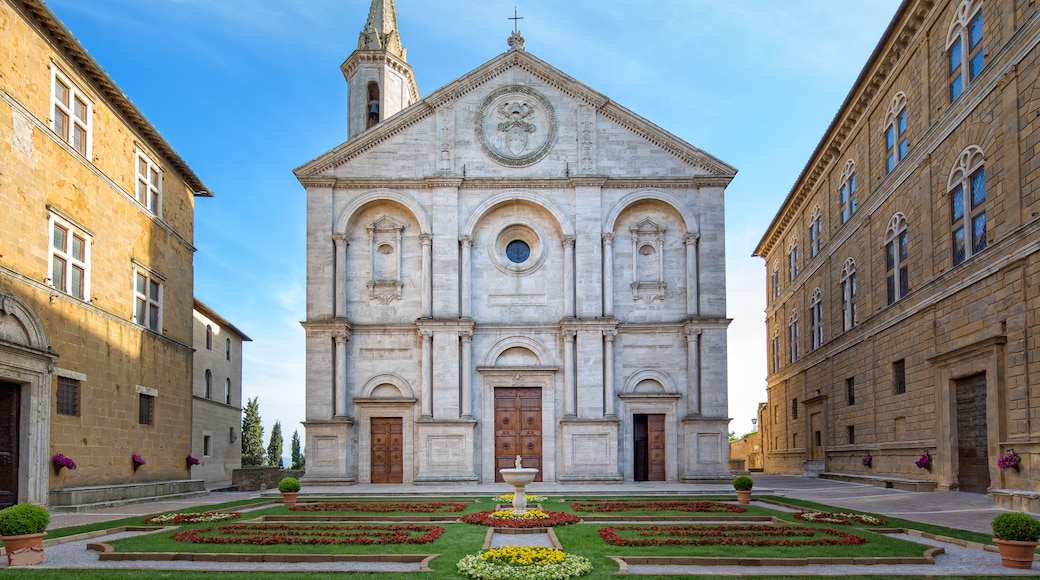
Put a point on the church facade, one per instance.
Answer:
(513, 265)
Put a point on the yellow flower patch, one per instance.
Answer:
(515, 515)
(523, 556)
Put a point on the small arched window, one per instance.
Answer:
(792, 258)
(209, 385)
(209, 337)
(896, 258)
(847, 191)
(815, 231)
(372, 106)
(816, 318)
(227, 391)
(848, 295)
(967, 189)
(776, 349)
(227, 348)
(964, 47)
(793, 330)
(776, 280)
(895, 132)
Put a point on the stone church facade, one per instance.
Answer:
(512, 265)
(903, 268)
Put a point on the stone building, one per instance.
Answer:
(512, 265)
(216, 420)
(903, 272)
(95, 278)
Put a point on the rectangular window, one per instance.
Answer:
(149, 183)
(896, 266)
(794, 408)
(956, 81)
(851, 432)
(205, 445)
(899, 376)
(975, 55)
(794, 341)
(850, 390)
(969, 225)
(69, 258)
(71, 113)
(145, 409)
(68, 396)
(147, 301)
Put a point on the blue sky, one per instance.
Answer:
(247, 90)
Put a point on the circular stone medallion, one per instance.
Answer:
(516, 126)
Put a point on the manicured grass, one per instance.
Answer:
(139, 520)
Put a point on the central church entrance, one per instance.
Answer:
(518, 428)
(387, 450)
(648, 447)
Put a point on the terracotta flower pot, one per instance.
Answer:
(289, 498)
(24, 550)
(743, 497)
(1014, 554)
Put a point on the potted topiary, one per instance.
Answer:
(743, 485)
(1016, 535)
(22, 528)
(290, 488)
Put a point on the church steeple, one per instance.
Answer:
(380, 32)
(380, 82)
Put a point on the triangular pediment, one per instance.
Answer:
(501, 73)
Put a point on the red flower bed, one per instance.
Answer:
(727, 535)
(658, 506)
(272, 534)
(411, 507)
(554, 519)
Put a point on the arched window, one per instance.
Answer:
(373, 105)
(209, 337)
(847, 191)
(848, 294)
(792, 258)
(896, 258)
(967, 189)
(776, 280)
(964, 46)
(776, 349)
(209, 385)
(895, 132)
(793, 330)
(815, 231)
(227, 348)
(227, 391)
(816, 318)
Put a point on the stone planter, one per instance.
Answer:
(24, 550)
(289, 498)
(1015, 554)
(743, 497)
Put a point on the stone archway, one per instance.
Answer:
(26, 364)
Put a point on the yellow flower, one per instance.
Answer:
(523, 556)
(515, 515)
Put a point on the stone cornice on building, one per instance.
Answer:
(880, 65)
(548, 74)
(66, 43)
(381, 57)
(696, 182)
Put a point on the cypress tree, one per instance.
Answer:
(252, 435)
(274, 448)
(298, 459)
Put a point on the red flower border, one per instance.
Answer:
(554, 519)
(658, 506)
(271, 534)
(383, 507)
(728, 535)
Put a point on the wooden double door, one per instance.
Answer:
(648, 447)
(387, 450)
(518, 428)
(9, 404)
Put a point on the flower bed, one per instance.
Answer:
(523, 563)
(192, 518)
(727, 535)
(844, 518)
(411, 507)
(508, 498)
(272, 534)
(658, 506)
(506, 520)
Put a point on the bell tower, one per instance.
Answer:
(380, 82)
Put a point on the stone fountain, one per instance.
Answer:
(519, 477)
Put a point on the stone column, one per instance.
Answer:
(608, 373)
(467, 248)
(466, 404)
(426, 379)
(339, 283)
(427, 275)
(342, 395)
(693, 307)
(693, 371)
(569, 393)
(608, 274)
(568, 276)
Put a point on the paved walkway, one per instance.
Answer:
(966, 511)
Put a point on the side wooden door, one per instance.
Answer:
(387, 450)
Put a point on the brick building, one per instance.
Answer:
(96, 275)
(903, 272)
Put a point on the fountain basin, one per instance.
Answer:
(519, 475)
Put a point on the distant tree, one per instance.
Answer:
(298, 460)
(274, 448)
(252, 435)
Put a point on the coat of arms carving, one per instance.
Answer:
(516, 126)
